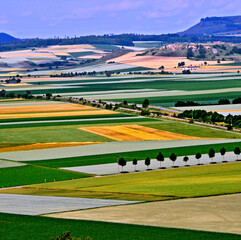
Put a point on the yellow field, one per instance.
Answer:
(37, 146)
(11, 99)
(61, 54)
(15, 84)
(56, 114)
(231, 110)
(45, 108)
(135, 133)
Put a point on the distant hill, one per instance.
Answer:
(216, 26)
(6, 38)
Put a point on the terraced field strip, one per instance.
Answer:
(44, 108)
(216, 214)
(56, 114)
(107, 148)
(37, 205)
(135, 133)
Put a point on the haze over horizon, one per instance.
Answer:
(29, 18)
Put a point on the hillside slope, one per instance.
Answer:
(216, 26)
(6, 38)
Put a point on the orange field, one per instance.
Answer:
(56, 114)
(169, 63)
(135, 133)
(45, 108)
(155, 61)
(37, 146)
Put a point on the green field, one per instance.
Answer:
(198, 181)
(43, 228)
(25, 175)
(82, 54)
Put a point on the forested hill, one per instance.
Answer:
(6, 38)
(216, 26)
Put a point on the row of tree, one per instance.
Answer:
(220, 102)
(173, 157)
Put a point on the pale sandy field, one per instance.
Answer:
(219, 214)
(157, 61)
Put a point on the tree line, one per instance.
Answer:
(173, 157)
(111, 39)
(220, 102)
(212, 117)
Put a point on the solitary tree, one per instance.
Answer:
(147, 162)
(145, 103)
(173, 158)
(160, 158)
(237, 152)
(211, 154)
(122, 162)
(198, 156)
(185, 159)
(134, 162)
(223, 151)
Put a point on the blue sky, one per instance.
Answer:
(49, 18)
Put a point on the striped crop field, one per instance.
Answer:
(135, 133)
(44, 108)
(56, 114)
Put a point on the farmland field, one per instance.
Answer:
(148, 186)
(25, 175)
(44, 144)
(22, 227)
(199, 214)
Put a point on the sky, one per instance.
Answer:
(60, 18)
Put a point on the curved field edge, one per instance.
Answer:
(28, 227)
(129, 156)
(199, 181)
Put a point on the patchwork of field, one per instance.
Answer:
(37, 205)
(114, 168)
(44, 108)
(135, 133)
(199, 181)
(106, 148)
(29, 225)
(199, 214)
(164, 90)
(234, 109)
